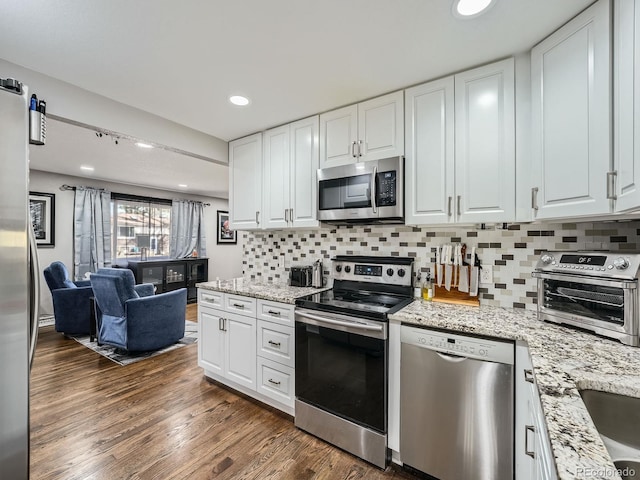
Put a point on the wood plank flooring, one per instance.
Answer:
(161, 419)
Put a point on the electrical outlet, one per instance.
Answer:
(486, 274)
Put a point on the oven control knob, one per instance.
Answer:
(390, 272)
(401, 272)
(546, 259)
(347, 269)
(620, 263)
(338, 268)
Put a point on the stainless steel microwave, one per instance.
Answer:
(363, 192)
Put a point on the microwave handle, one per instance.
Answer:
(374, 190)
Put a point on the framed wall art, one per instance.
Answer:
(42, 208)
(225, 234)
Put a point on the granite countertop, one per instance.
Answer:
(564, 361)
(266, 291)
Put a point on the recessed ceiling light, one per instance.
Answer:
(239, 100)
(470, 8)
(87, 168)
(182, 185)
(143, 145)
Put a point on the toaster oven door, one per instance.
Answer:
(588, 302)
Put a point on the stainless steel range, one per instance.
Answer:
(596, 291)
(342, 353)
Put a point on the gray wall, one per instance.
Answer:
(225, 261)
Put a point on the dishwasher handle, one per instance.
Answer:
(449, 357)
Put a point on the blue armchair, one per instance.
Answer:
(132, 322)
(71, 304)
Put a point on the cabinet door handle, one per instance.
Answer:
(458, 204)
(274, 344)
(527, 429)
(353, 149)
(286, 215)
(449, 206)
(611, 185)
(274, 312)
(534, 199)
(291, 215)
(238, 305)
(528, 375)
(257, 218)
(221, 324)
(274, 382)
(359, 148)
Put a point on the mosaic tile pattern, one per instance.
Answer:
(512, 250)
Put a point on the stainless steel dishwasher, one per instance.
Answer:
(456, 405)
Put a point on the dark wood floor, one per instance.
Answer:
(160, 419)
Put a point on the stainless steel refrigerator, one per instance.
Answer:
(19, 280)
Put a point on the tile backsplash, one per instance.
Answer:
(512, 251)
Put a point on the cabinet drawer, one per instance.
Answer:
(275, 342)
(276, 381)
(281, 313)
(210, 298)
(240, 304)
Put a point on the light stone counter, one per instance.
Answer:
(266, 291)
(565, 361)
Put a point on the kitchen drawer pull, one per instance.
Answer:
(274, 382)
(209, 300)
(275, 344)
(527, 429)
(238, 305)
(449, 206)
(274, 312)
(528, 375)
(534, 198)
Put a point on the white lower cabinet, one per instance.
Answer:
(211, 345)
(227, 345)
(276, 353)
(240, 349)
(276, 381)
(248, 345)
(533, 456)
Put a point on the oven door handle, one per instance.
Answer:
(624, 284)
(360, 326)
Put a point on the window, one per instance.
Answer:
(126, 232)
(138, 223)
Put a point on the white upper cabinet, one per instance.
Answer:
(339, 136)
(485, 144)
(290, 166)
(627, 104)
(571, 121)
(304, 164)
(460, 158)
(429, 162)
(245, 182)
(276, 177)
(370, 130)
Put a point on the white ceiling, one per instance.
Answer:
(293, 58)
(69, 147)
